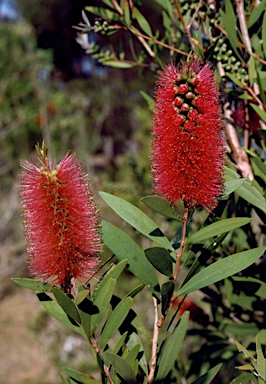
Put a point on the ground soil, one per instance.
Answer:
(24, 358)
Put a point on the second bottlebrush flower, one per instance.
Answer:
(188, 146)
(60, 220)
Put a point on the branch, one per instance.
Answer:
(182, 243)
(186, 30)
(240, 156)
(105, 368)
(154, 343)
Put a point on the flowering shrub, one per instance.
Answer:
(221, 262)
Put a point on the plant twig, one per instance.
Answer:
(182, 243)
(154, 342)
(194, 15)
(186, 30)
(240, 156)
(105, 368)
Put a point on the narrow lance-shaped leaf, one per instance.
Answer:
(231, 186)
(125, 248)
(67, 304)
(57, 312)
(162, 206)
(252, 196)
(81, 377)
(172, 348)
(263, 31)
(115, 320)
(122, 367)
(113, 273)
(145, 26)
(34, 285)
(135, 217)
(102, 302)
(161, 260)
(221, 269)
(218, 228)
(208, 376)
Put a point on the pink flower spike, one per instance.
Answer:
(188, 145)
(60, 221)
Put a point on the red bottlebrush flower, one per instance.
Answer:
(188, 145)
(60, 221)
(196, 313)
(239, 117)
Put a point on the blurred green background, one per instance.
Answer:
(50, 89)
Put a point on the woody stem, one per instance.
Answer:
(154, 343)
(182, 243)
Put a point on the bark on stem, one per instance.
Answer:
(182, 243)
(154, 343)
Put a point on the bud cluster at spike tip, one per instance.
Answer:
(188, 144)
(60, 221)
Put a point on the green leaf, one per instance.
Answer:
(235, 79)
(167, 292)
(244, 350)
(229, 24)
(203, 258)
(217, 228)
(135, 291)
(64, 381)
(221, 269)
(208, 376)
(244, 378)
(113, 273)
(67, 304)
(149, 99)
(260, 365)
(81, 377)
(125, 248)
(132, 356)
(103, 12)
(260, 112)
(143, 23)
(126, 10)
(172, 347)
(253, 286)
(102, 302)
(252, 196)
(34, 285)
(246, 367)
(162, 206)
(86, 309)
(118, 64)
(120, 343)
(135, 217)
(241, 329)
(231, 186)
(252, 70)
(230, 174)
(57, 312)
(135, 340)
(259, 168)
(255, 14)
(264, 32)
(122, 367)
(161, 259)
(116, 318)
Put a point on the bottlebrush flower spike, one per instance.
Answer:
(188, 145)
(60, 221)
